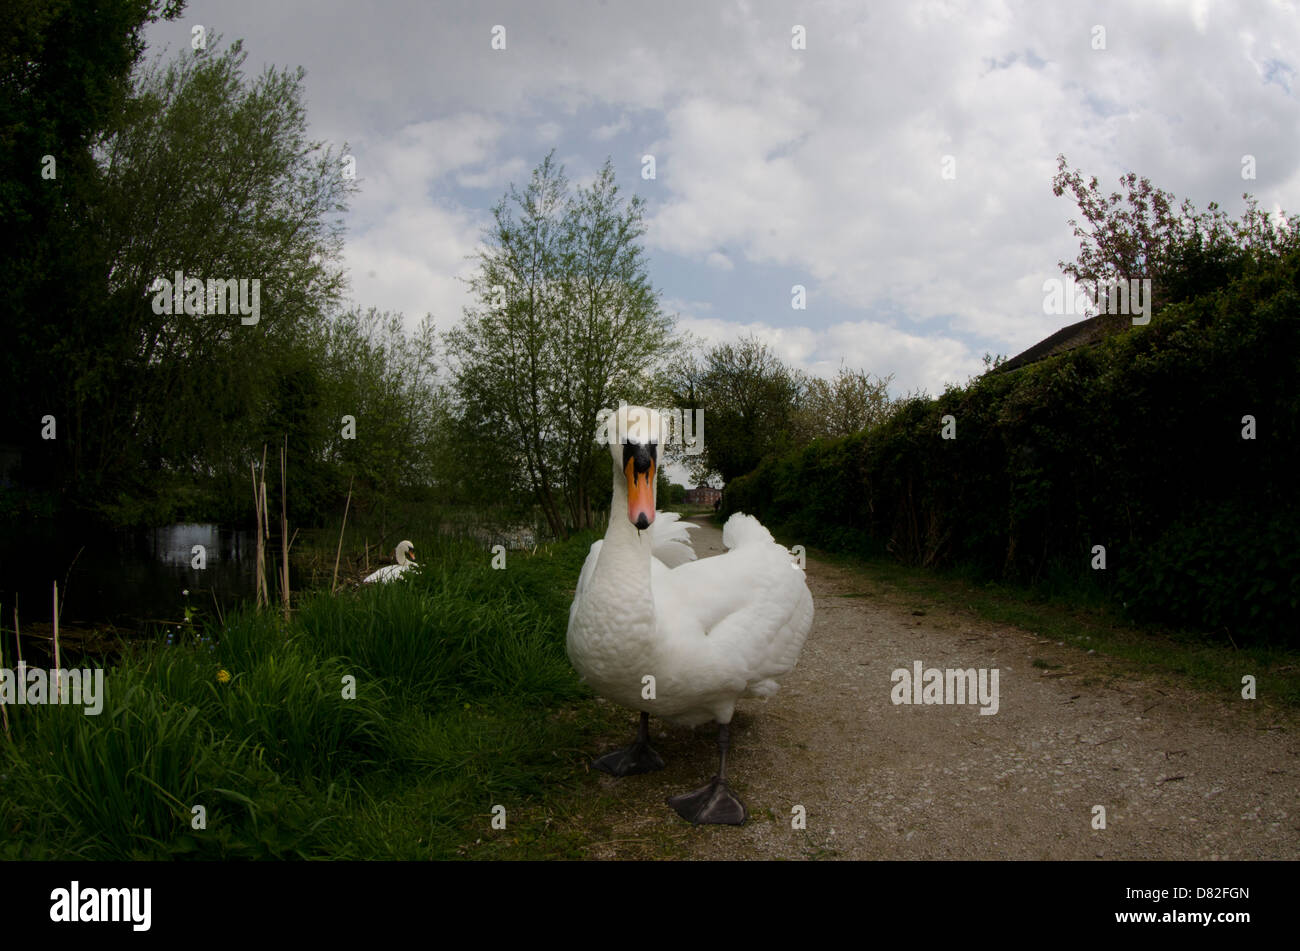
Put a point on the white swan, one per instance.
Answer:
(405, 564)
(709, 632)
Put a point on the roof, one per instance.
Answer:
(1083, 334)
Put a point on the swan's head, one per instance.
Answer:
(404, 552)
(633, 436)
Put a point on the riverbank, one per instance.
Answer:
(378, 722)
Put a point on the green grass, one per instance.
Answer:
(384, 722)
(432, 528)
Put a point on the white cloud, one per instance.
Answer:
(838, 175)
(421, 153)
(496, 178)
(406, 250)
(412, 263)
(918, 362)
(604, 133)
(821, 165)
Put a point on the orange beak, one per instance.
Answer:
(640, 494)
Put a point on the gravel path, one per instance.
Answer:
(1181, 775)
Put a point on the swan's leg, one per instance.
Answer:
(640, 757)
(714, 803)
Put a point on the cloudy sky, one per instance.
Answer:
(777, 166)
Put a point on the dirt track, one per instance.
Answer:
(1181, 775)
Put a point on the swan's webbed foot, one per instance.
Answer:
(714, 804)
(640, 757)
(637, 758)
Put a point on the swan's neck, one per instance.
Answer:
(627, 549)
(615, 621)
(623, 569)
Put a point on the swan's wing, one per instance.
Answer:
(584, 579)
(752, 605)
(392, 573)
(669, 539)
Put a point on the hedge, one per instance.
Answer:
(1135, 444)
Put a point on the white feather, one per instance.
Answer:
(670, 541)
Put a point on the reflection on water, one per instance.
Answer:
(174, 545)
(124, 578)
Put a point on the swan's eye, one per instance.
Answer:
(642, 456)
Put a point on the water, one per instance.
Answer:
(130, 580)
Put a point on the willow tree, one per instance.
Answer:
(211, 174)
(565, 323)
(200, 170)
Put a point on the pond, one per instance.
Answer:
(130, 580)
